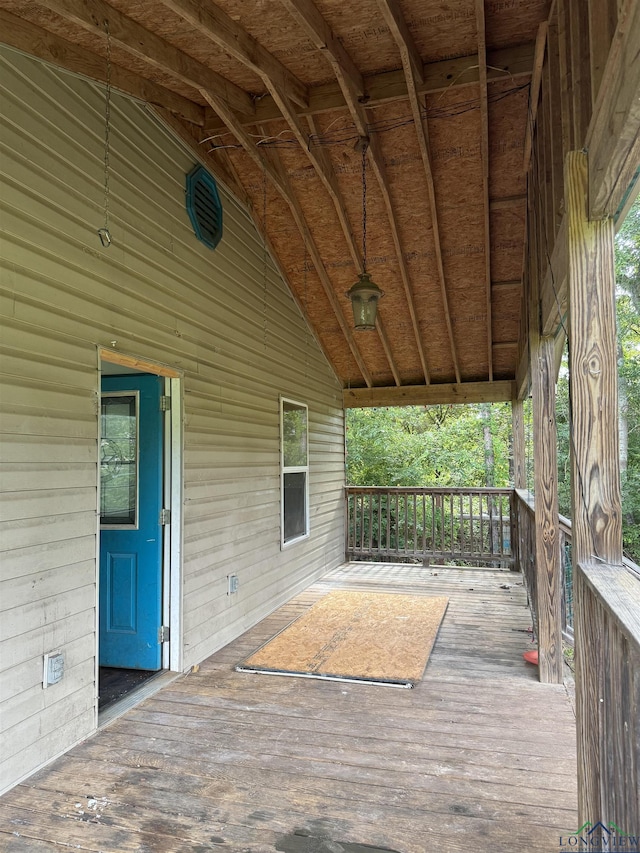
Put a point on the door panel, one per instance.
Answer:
(131, 533)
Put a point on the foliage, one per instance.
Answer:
(426, 446)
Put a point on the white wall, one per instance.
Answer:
(163, 296)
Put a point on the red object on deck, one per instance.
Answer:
(531, 657)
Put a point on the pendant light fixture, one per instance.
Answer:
(365, 293)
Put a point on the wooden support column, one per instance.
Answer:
(597, 515)
(545, 467)
(519, 445)
(595, 489)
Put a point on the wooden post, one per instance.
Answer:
(519, 475)
(547, 532)
(595, 480)
(519, 448)
(597, 515)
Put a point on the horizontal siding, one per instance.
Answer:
(224, 318)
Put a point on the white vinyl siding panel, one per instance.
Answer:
(224, 318)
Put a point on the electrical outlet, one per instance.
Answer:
(232, 584)
(53, 669)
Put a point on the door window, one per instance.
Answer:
(119, 460)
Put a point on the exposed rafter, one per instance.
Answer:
(390, 86)
(484, 153)
(27, 37)
(412, 65)
(218, 27)
(284, 88)
(352, 85)
(99, 18)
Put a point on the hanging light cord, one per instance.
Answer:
(364, 207)
(104, 233)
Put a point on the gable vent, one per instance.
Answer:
(204, 207)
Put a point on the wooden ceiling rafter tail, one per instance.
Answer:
(345, 224)
(412, 65)
(217, 26)
(314, 25)
(272, 165)
(484, 155)
(384, 340)
(101, 19)
(534, 92)
(351, 83)
(25, 36)
(376, 159)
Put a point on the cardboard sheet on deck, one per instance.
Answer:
(365, 636)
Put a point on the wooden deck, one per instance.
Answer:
(479, 756)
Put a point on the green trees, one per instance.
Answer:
(429, 446)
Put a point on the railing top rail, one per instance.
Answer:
(419, 490)
(619, 593)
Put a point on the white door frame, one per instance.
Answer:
(172, 651)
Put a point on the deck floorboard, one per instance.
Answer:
(478, 756)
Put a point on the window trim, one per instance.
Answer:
(293, 469)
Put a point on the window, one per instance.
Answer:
(119, 460)
(294, 468)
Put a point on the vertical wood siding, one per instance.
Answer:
(225, 318)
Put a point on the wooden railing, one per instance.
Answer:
(460, 525)
(526, 550)
(608, 693)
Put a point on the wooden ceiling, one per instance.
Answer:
(278, 96)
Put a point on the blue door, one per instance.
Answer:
(131, 492)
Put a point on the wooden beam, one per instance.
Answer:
(429, 395)
(351, 83)
(613, 137)
(534, 92)
(595, 482)
(136, 363)
(498, 286)
(389, 86)
(507, 202)
(519, 445)
(484, 156)
(273, 167)
(98, 17)
(548, 578)
(411, 60)
(554, 296)
(35, 41)
(316, 28)
(412, 65)
(217, 26)
(384, 340)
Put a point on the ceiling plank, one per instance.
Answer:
(512, 62)
(35, 41)
(217, 26)
(430, 395)
(484, 154)
(412, 65)
(351, 83)
(98, 18)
